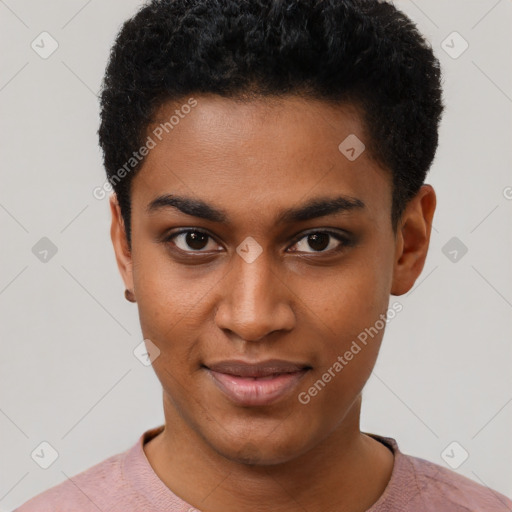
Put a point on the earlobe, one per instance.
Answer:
(413, 238)
(120, 243)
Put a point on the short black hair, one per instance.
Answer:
(363, 52)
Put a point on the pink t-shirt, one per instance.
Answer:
(126, 482)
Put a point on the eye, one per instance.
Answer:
(322, 241)
(196, 240)
(191, 240)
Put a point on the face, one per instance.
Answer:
(260, 253)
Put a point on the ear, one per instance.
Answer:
(120, 243)
(412, 240)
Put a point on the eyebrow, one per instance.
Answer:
(318, 207)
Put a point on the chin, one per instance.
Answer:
(260, 450)
(251, 454)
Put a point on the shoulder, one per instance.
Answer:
(439, 488)
(85, 491)
(121, 483)
(454, 491)
(419, 485)
(104, 486)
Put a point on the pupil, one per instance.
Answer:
(318, 241)
(196, 240)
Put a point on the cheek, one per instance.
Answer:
(354, 296)
(351, 312)
(167, 293)
(174, 306)
(354, 328)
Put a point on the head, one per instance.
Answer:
(292, 139)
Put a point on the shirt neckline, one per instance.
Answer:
(137, 470)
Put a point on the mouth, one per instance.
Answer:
(256, 384)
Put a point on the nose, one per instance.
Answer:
(256, 301)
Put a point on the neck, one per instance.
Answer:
(348, 468)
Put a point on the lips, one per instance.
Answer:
(256, 384)
(257, 370)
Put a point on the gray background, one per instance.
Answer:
(68, 374)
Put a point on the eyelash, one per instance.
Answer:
(344, 240)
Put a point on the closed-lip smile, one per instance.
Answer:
(256, 384)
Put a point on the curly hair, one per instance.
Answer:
(365, 52)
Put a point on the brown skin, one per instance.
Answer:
(294, 302)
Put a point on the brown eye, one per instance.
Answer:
(319, 241)
(191, 240)
(196, 240)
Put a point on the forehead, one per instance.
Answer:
(260, 156)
